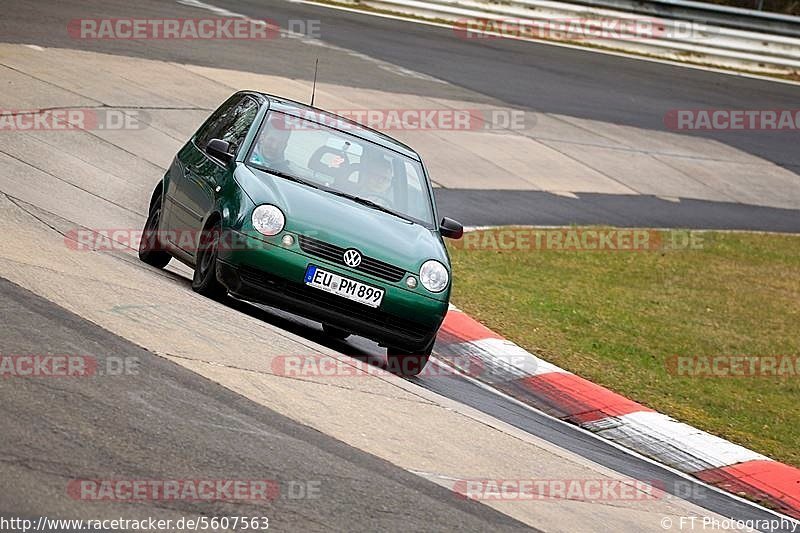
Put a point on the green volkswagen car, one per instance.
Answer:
(277, 202)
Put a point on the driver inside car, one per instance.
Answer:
(269, 151)
(375, 180)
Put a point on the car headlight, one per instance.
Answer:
(433, 276)
(268, 220)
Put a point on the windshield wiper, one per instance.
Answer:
(289, 177)
(358, 199)
(370, 203)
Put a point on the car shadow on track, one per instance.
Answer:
(358, 348)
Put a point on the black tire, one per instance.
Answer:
(334, 332)
(205, 280)
(150, 249)
(405, 363)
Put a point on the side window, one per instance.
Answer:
(415, 181)
(417, 197)
(209, 129)
(235, 130)
(229, 123)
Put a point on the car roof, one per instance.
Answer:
(320, 116)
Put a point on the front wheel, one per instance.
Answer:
(150, 250)
(205, 280)
(405, 363)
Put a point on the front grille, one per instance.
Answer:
(306, 294)
(334, 254)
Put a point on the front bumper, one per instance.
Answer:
(273, 274)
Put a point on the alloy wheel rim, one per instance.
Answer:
(209, 253)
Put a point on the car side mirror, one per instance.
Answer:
(219, 149)
(451, 229)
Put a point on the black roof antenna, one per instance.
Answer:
(314, 87)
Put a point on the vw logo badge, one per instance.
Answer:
(352, 258)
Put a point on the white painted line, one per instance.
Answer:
(549, 226)
(565, 194)
(35, 47)
(389, 67)
(673, 199)
(623, 449)
(652, 436)
(214, 9)
(562, 45)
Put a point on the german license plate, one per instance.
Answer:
(344, 287)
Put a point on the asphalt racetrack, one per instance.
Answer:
(366, 453)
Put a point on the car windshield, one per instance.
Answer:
(343, 164)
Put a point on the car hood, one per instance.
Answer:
(343, 222)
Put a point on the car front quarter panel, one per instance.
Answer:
(234, 205)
